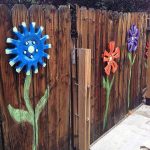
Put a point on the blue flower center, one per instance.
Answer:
(31, 49)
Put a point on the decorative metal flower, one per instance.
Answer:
(133, 36)
(147, 49)
(110, 57)
(28, 49)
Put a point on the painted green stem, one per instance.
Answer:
(35, 135)
(108, 86)
(31, 111)
(106, 110)
(30, 115)
(131, 60)
(129, 84)
(26, 95)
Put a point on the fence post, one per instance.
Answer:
(84, 98)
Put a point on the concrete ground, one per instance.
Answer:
(133, 133)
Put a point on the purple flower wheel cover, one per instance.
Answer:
(133, 36)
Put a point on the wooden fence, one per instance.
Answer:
(54, 120)
(95, 29)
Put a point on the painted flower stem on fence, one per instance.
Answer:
(107, 84)
(109, 58)
(30, 115)
(131, 61)
(132, 44)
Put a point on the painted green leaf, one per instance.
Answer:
(41, 104)
(20, 115)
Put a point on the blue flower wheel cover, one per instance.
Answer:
(133, 36)
(28, 49)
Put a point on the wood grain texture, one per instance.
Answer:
(112, 26)
(36, 14)
(84, 98)
(51, 21)
(19, 15)
(63, 69)
(9, 88)
(95, 29)
(54, 119)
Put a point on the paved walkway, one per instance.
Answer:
(130, 134)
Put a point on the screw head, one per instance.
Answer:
(27, 43)
(33, 42)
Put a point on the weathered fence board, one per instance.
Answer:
(84, 98)
(64, 74)
(12, 131)
(51, 27)
(19, 15)
(54, 119)
(97, 76)
(95, 29)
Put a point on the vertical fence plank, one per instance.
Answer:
(7, 83)
(140, 55)
(104, 45)
(95, 127)
(19, 15)
(117, 38)
(124, 68)
(7, 80)
(133, 21)
(51, 19)
(110, 37)
(134, 69)
(122, 100)
(126, 63)
(75, 80)
(143, 74)
(84, 98)
(91, 45)
(74, 71)
(84, 27)
(64, 50)
(36, 14)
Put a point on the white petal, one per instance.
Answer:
(18, 70)
(24, 24)
(15, 29)
(36, 71)
(11, 63)
(44, 64)
(9, 40)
